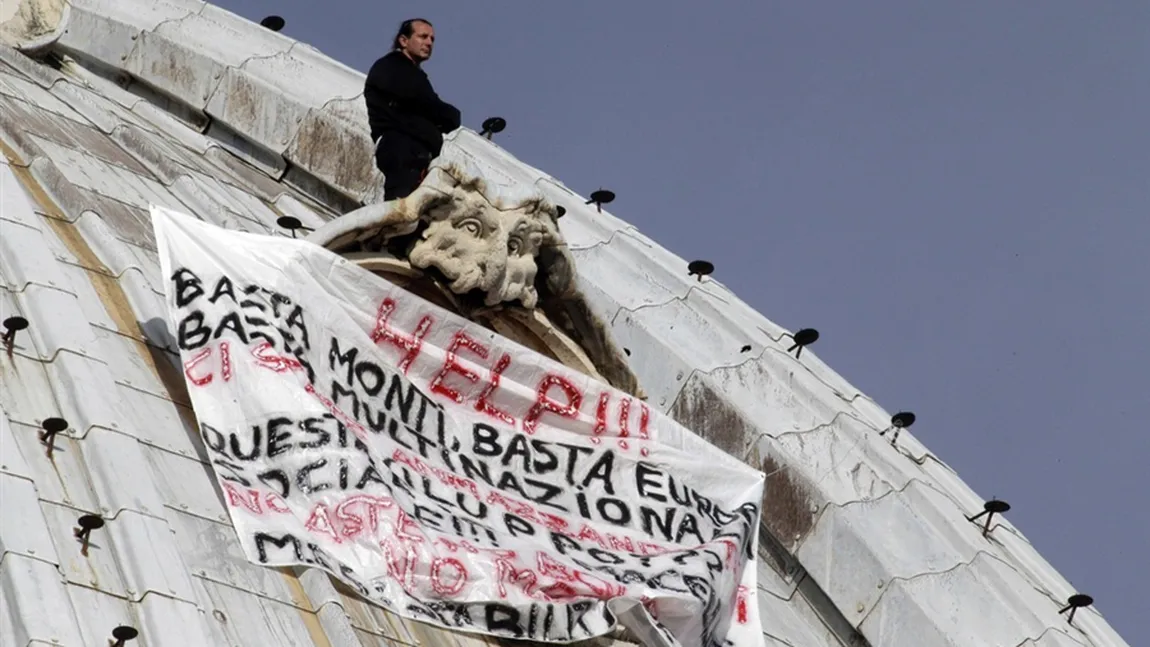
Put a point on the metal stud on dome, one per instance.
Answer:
(699, 269)
(493, 126)
(88, 523)
(51, 427)
(13, 325)
(803, 338)
(600, 198)
(291, 223)
(274, 23)
(989, 509)
(1074, 603)
(898, 422)
(123, 634)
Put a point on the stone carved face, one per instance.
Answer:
(479, 247)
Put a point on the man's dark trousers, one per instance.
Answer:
(403, 162)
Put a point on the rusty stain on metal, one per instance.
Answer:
(353, 170)
(786, 504)
(707, 413)
(242, 101)
(108, 289)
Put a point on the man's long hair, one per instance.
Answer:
(406, 29)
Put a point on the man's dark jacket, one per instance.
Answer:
(400, 100)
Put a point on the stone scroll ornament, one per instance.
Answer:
(438, 469)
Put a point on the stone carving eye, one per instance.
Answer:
(471, 226)
(513, 245)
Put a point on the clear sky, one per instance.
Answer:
(956, 194)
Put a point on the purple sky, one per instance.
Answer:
(957, 195)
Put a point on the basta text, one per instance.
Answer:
(249, 313)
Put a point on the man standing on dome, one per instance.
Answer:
(407, 118)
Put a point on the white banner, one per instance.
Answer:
(442, 471)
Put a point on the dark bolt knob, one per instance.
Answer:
(13, 325)
(803, 338)
(492, 126)
(989, 509)
(88, 523)
(600, 198)
(51, 427)
(274, 23)
(898, 422)
(291, 223)
(699, 269)
(123, 634)
(1074, 603)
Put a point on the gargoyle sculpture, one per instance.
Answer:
(506, 267)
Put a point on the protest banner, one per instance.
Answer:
(440, 470)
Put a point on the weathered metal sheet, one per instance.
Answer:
(267, 161)
(127, 365)
(792, 622)
(61, 478)
(25, 259)
(776, 391)
(609, 283)
(185, 487)
(15, 207)
(227, 167)
(583, 225)
(114, 257)
(353, 171)
(186, 58)
(260, 110)
(106, 30)
(326, 79)
(166, 621)
(212, 553)
(918, 535)
(99, 612)
(27, 94)
(956, 608)
(116, 466)
(12, 462)
(160, 422)
(175, 64)
(98, 569)
(249, 616)
(847, 458)
(59, 320)
(88, 172)
(104, 114)
(35, 604)
(42, 75)
(79, 384)
(161, 159)
(22, 527)
(148, 556)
